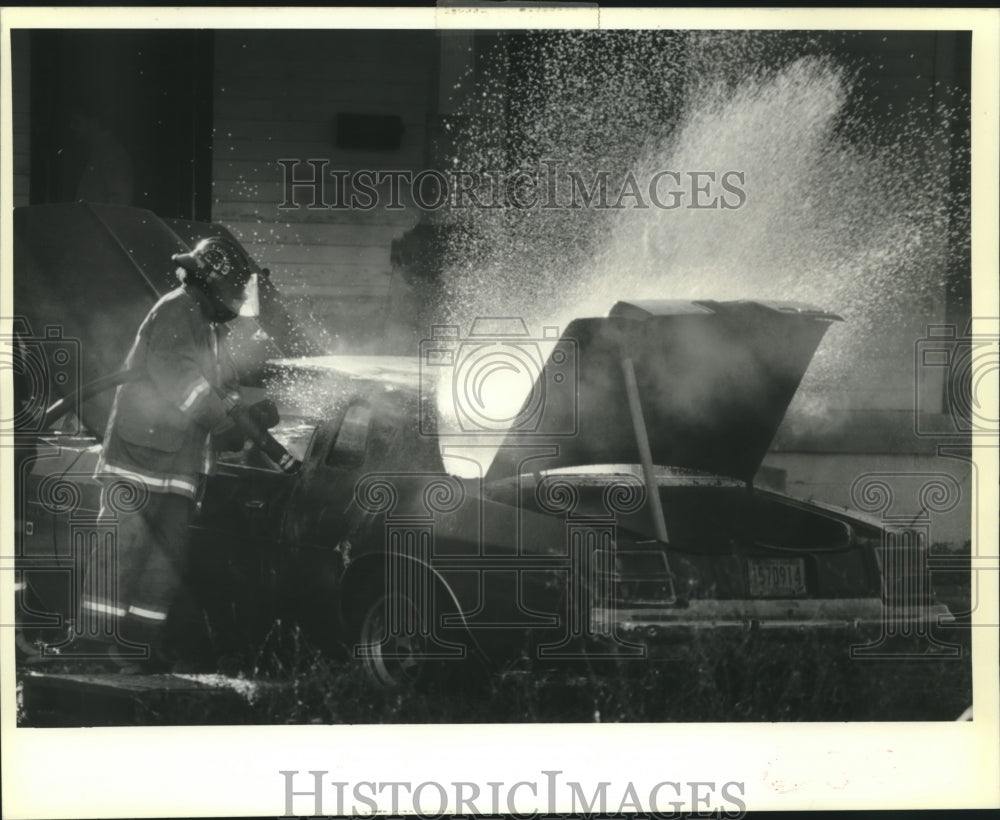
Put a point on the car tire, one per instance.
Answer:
(394, 661)
(30, 640)
(27, 649)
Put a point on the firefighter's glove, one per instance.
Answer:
(230, 434)
(243, 419)
(244, 422)
(286, 462)
(289, 464)
(264, 414)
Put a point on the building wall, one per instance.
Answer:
(21, 103)
(913, 70)
(127, 104)
(276, 97)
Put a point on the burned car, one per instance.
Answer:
(609, 512)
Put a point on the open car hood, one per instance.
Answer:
(89, 274)
(714, 381)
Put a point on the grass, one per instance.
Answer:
(747, 677)
(735, 680)
(715, 681)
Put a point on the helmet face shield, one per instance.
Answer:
(231, 294)
(251, 307)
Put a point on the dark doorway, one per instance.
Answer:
(123, 117)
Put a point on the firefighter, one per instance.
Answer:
(180, 402)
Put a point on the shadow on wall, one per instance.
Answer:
(415, 287)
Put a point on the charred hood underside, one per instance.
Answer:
(714, 381)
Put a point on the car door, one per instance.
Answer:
(321, 515)
(322, 506)
(237, 555)
(57, 501)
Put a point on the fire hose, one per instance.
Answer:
(256, 430)
(258, 434)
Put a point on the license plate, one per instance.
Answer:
(777, 577)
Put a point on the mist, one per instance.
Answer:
(838, 214)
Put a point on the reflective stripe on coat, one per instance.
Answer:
(161, 421)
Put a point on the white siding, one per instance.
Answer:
(276, 97)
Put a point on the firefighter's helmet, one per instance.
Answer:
(222, 269)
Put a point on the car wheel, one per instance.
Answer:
(393, 649)
(30, 640)
(26, 647)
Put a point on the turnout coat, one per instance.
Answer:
(161, 423)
